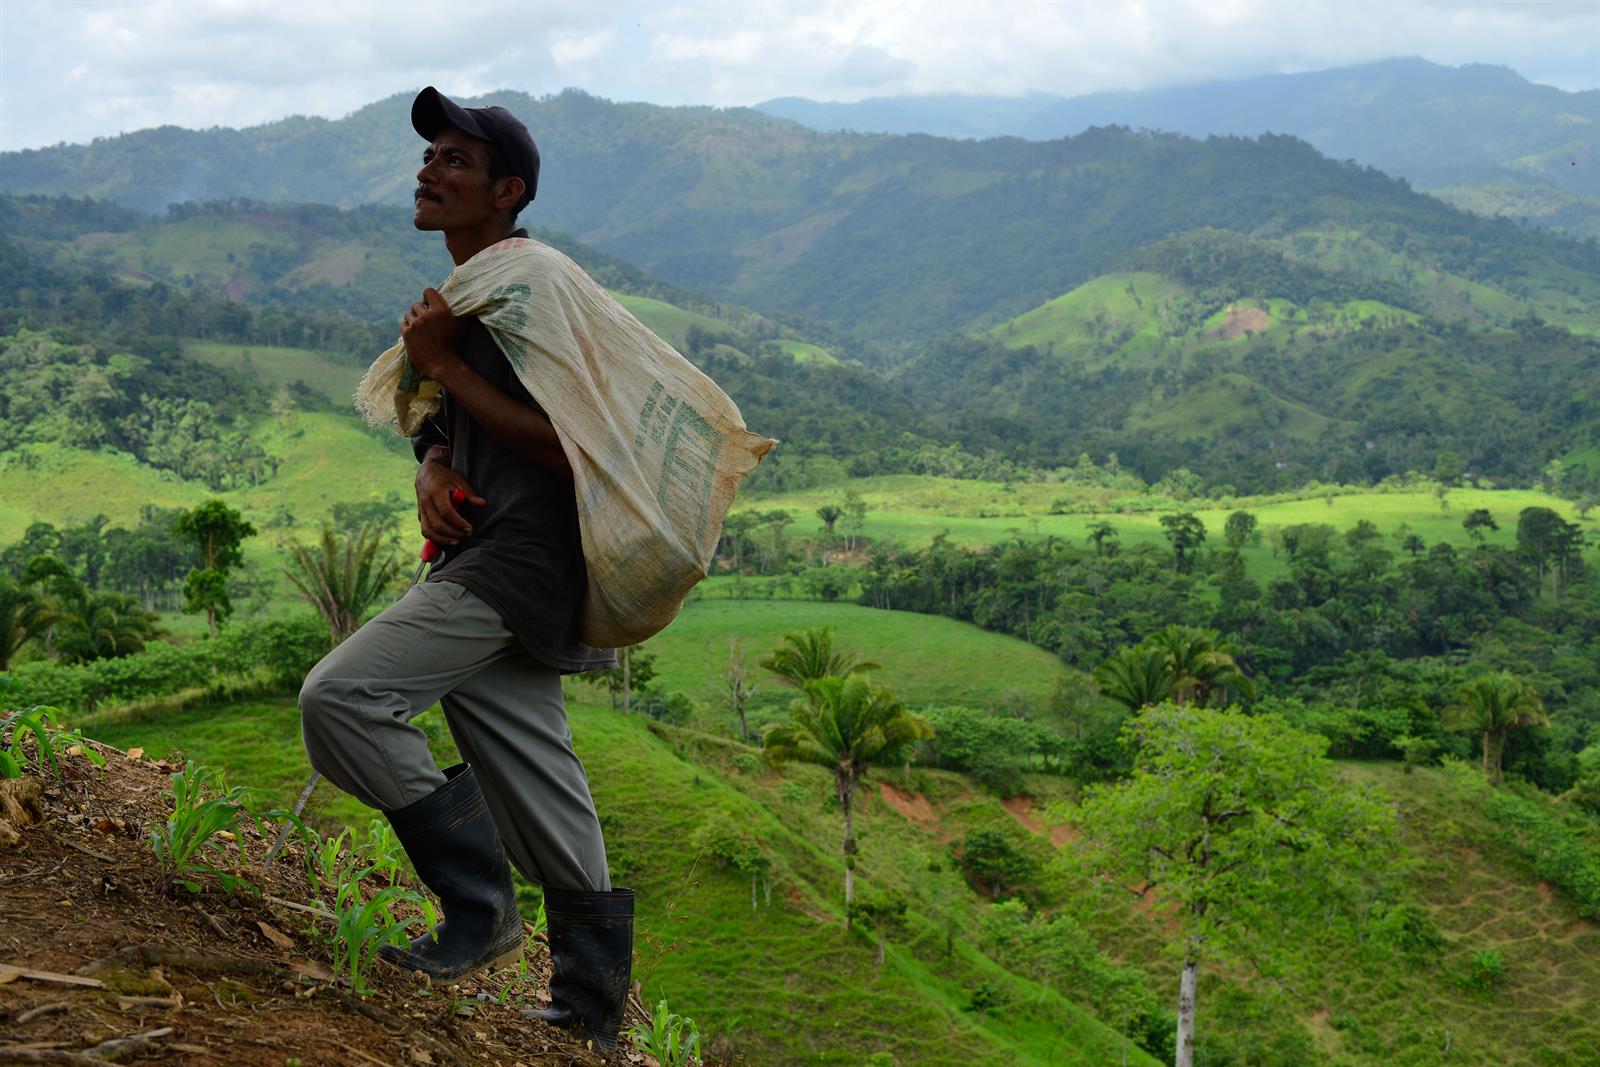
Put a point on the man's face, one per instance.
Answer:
(453, 187)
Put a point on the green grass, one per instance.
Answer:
(330, 375)
(914, 508)
(805, 352)
(784, 982)
(925, 659)
(668, 320)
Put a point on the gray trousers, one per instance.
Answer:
(505, 711)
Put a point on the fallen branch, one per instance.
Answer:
(8, 1055)
(118, 1047)
(9, 972)
(44, 1009)
(158, 956)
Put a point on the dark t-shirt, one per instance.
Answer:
(524, 556)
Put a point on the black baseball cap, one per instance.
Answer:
(432, 111)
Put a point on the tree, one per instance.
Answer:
(829, 514)
(1414, 544)
(1241, 826)
(1137, 677)
(1494, 705)
(740, 688)
(24, 615)
(848, 725)
(91, 625)
(1240, 530)
(855, 519)
(1104, 536)
(809, 654)
(1199, 663)
(635, 671)
(217, 532)
(1553, 543)
(1186, 533)
(341, 576)
(1477, 521)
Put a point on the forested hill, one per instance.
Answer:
(897, 239)
(1481, 136)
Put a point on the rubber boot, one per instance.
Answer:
(591, 955)
(452, 841)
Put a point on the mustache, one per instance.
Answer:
(422, 193)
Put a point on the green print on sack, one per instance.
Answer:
(690, 448)
(512, 314)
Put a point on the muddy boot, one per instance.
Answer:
(591, 953)
(452, 841)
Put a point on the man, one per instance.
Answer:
(489, 634)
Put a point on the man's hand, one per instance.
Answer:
(440, 521)
(429, 331)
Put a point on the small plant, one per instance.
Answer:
(384, 848)
(673, 1039)
(203, 810)
(361, 925)
(44, 724)
(1486, 970)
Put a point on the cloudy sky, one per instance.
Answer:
(71, 70)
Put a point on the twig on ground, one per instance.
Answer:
(49, 976)
(125, 1046)
(294, 906)
(159, 956)
(101, 856)
(44, 1009)
(213, 922)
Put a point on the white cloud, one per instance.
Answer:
(76, 69)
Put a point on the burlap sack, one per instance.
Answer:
(657, 450)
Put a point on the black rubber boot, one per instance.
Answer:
(591, 953)
(452, 841)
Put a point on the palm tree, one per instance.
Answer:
(1201, 662)
(848, 725)
(809, 655)
(1495, 704)
(23, 616)
(91, 625)
(830, 514)
(341, 576)
(1139, 677)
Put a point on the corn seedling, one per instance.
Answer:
(673, 1039)
(43, 724)
(384, 848)
(336, 868)
(204, 809)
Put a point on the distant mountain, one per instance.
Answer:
(1481, 136)
(894, 240)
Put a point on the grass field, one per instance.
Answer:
(329, 375)
(914, 508)
(925, 659)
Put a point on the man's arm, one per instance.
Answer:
(430, 331)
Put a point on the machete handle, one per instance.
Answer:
(430, 551)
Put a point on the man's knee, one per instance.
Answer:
(324, 700)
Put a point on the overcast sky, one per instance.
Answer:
(71, 71)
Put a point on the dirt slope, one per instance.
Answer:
(98, 964)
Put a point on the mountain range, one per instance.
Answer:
(1479, 136)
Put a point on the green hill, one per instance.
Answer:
(894, 239)
(779, 981)
(1479, 136)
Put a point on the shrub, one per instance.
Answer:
(1558, 848)
(993, 864)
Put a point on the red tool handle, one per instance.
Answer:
(430, 551)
